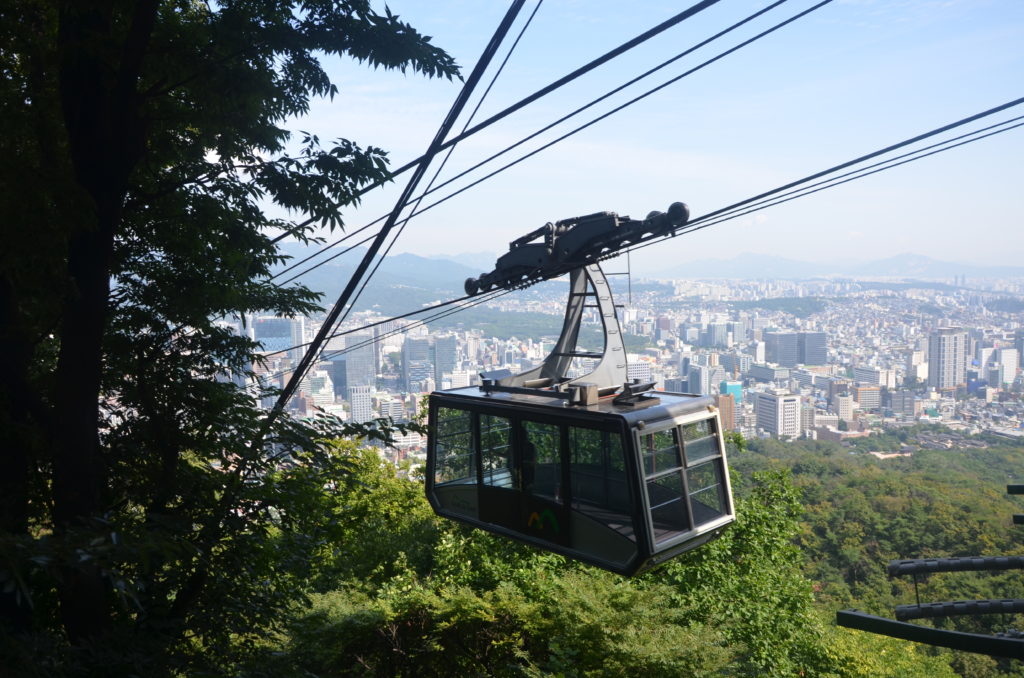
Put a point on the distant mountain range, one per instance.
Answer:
(915, 266)
(402, 283)
(405, 281)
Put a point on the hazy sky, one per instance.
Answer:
(852, 77)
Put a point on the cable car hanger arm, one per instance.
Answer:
(573, 243)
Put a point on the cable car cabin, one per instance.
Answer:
(608, 484)
(595, 467)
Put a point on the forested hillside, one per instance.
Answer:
(859, 512)
(401, 592)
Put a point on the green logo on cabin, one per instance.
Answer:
(543, 519)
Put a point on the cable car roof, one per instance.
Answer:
(671, 405)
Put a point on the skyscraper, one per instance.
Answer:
(811, 348)
(778, 413)
(726, 411)
(416, 364)
(733, 388)
(445, 356)
(361, 402)
(782, 348)
(947, 358)
(1009, 360)
(275, 334)
(360, 366)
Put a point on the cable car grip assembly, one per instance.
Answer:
(576, 245)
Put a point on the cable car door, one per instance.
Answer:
(521, 485)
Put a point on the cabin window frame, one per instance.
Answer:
(716, 461)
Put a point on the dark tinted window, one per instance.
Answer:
(455, 461)
(597, 472)
(542, 467)
(496, 451)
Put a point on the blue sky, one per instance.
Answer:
(854, 76)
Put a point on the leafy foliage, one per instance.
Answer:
(413, 595)
(144, 528)
(860, 512)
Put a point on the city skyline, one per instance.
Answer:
(831, 359)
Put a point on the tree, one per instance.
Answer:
(142, 140)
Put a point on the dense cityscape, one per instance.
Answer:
(819, 359)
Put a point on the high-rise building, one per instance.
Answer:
(778, 413)
(807, 414)
(702, 378)
(726, 411)
(902, 402)
(868, 397)
(811, 348)
(736, 364)
(768, 373)
(639, 369)
(360, 365)
(782, 348)
(843, 404)
(416, 364)
(275, 333)
(874, 376)
(361, 403)
(733, 388)
(759, 351)
(677, 385)
(947, 363)
(446, 356)
(716, 334)
(1009, 362)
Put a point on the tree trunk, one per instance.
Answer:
(106, 139)
(14, 452)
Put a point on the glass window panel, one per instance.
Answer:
(706, 492)
(496, 451)
(454, 458)
(660, 452)
(542, 464)
(669, 516)
(598, 479)
(587, 447)
(701, 448)
(664, 489)
(698, 429)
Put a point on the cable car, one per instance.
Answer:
(594, 468)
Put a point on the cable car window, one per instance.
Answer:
(661, 451)
(697, 429)
(700, 441)
(706, 496)
(669, 516)
(496, 451)
(598, 478)
(456, 462)
(666, 495)
(542, 467)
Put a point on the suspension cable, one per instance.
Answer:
(580, 128)
(544, 91)
(444, 161)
